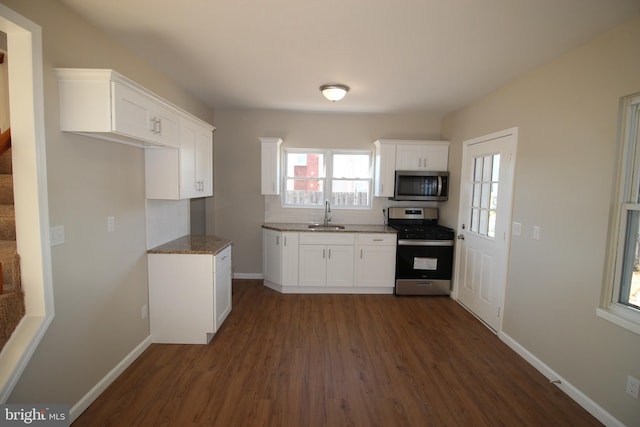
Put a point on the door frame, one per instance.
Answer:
(513, 132)
(24, 43)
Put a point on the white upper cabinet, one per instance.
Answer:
(270, 165)
(104, 104)
(196, 158)
(185, 172)
(385, 168)
(422, 155)
(136, 115)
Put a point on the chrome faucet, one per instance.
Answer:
(327, 209)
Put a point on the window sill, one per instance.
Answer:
(625, 317)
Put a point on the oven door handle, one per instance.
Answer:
(406, 242)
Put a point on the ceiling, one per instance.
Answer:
(396, 55)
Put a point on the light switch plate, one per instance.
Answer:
(516, 229)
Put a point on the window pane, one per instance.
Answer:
(484, 222)
(475, 219)
(477, 169)
(351, 166)
(630, 286)
(304, 191)
(350, 192)
(495, 174)
(305, 165)
(486, 168)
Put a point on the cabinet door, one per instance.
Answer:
(375, 266)
(385, 170)
(166, 126)
(289, 259)
(339, 265)
(272, 256)
(188, 188)
(270, 166)
(131, 113)
(436, 157)
(429, 155)
(312, 265)
(196, 151)
(222, 286)
(204, 161)
(408, 157)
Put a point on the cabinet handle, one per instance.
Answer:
(277, 240)
(153, 125)
(323, 253)
(360, 253)
(329, 253)
(273, 186)
(285, 240)
(160, 127)
(377, 240)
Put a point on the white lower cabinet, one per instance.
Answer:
(375, 260)
(326, 265)
(329, 262)
(189, 296)
(280, 257)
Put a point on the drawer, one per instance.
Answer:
(380, 239)
(320, 238)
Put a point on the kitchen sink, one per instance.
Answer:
(326, 227)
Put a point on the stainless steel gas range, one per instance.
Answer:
(424, 256)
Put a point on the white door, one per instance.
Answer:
(488, 165)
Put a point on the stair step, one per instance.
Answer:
(10, 265)
(12, 309)
(7, 222)
(6, 189)
(6, 163)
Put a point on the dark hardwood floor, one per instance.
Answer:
(336, 360)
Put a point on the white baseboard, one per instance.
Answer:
(583, 400)
(101, 386)
(256, 276)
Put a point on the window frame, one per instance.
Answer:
(627, 200)
(327, 178)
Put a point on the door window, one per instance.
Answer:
(484, 198)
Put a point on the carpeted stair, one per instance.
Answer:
(12, 307)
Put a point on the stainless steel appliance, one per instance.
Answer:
(424, 255)
(421, 186)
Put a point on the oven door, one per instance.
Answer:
(424, 267)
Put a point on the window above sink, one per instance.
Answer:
(313, 176)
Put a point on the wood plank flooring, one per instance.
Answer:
(336, 360)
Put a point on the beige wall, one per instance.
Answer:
(239, 208)
(99, 279)
(567, 113)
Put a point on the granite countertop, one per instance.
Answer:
(192, 245)
(349, 228)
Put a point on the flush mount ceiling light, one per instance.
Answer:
(334, 92)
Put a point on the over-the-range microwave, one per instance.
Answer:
(421, 186)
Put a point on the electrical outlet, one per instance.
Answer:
(56, 235)
(633, 386)
(144, 311)
(111, 224)
(536, 232)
